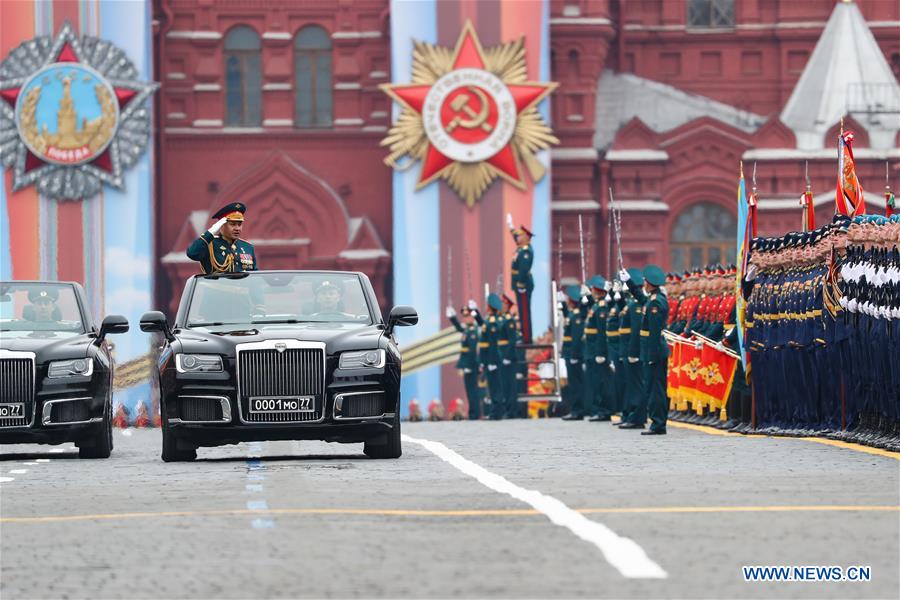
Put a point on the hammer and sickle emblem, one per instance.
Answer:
(475, 120)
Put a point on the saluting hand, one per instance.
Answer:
(509, 221)
(472, 305)
(450, 312)
(218, 225)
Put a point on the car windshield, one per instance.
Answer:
(278, 297)
(39, 309)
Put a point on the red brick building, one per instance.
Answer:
(277, 103)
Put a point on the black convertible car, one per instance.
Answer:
(279, 355)
(56, 368)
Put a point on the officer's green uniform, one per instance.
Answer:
(596, 372)
(216, 255)
(630, 338)
(523, 282)
(489, 356)
(615, 377)
(654, 351)
(573, 352)
(468, 364)
(508, 365)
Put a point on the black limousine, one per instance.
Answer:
(56, 367)
(279, 355)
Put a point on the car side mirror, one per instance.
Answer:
(154, 321)
(401, 316)
(112, 324)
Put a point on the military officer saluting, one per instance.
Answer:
(468, 355)
(221, 249)
(522, 280)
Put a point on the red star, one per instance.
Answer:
(469, 54)
(67, 55)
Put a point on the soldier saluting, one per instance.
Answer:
(522, 280)
(220, 249)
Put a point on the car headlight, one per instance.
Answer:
(361, 360)
(77, 367)
(198, 363)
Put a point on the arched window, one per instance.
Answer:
(703, 233)
(243, 79)
(312, 77)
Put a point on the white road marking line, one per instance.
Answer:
(622, 553)
(30, 464)
(57, 450)
(5, 479)
(126, 432)
(257, 505)
(262, 523)
(254, 487)
(19, 471)
(40, 460)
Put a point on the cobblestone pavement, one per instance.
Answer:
(310, 519)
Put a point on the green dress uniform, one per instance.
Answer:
(217, 255)
(654, 351)
(573, 352)
(490, 358)
(595, 356)
(613, 355)
(468, 364)
(523, 282)
(634, 411)
(509, 365)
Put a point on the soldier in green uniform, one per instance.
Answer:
(634, 414)
(220, 249)
(654, 350)
(613, 353)
(595, 352)
(489, 355)
(468, 357)
(522, 281)
(573, 351)
(509, 358)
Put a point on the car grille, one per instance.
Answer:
(199, 409)
(273, 374)
(17, 385)
(362, 405)
(69, 412)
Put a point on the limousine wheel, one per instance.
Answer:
(172, 450)
(391, 449)
(101, 445)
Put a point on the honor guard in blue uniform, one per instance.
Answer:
(522, 281)
(468, 355)
(573, 351)
(490, 357)
(634, 414)
(220, 249)
(653, 350)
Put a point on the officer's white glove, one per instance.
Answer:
(561, 297)
(472, 305)
(586, 299)
(573, 361)
(507, 362)
(600, 359)
(750, 273)
(519, 376)
(492, 368)
(617, 296)
(612, 367)
(632, 360)
(218, 225)
(450, 312)
(720, 346)
(698, 344)
(851, 305)
(843, 302)
(509, 222)
(585, 290)
(467, 371)
(624, 276)
(608, 286)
